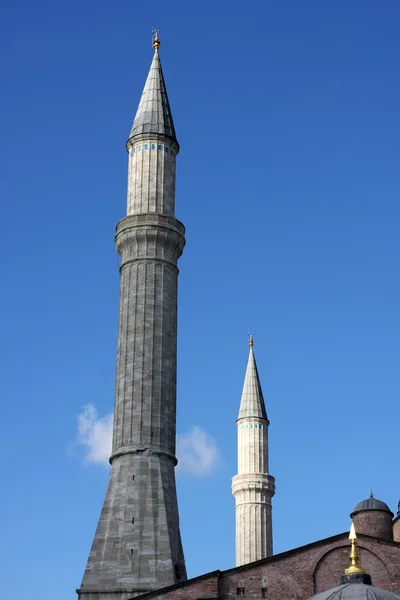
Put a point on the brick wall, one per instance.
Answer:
(374, 522)
(332, 565)
(301, 573)
(294, 575)
(205, 586)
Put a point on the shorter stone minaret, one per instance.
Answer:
(253, 487)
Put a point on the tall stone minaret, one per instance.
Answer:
(253, 487)
(137, 545)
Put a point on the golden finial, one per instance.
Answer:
(355, 559)
(251, 343)
(156, 41)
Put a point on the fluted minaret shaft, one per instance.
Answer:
(253, 486)
(137, 545)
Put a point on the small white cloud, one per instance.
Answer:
(197, 453)
(95, 434)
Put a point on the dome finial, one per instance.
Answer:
(156, 41)
(354, 558)
(371, 494)
(251, 342)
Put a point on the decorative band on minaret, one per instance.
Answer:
(253, 487)
(137, 545)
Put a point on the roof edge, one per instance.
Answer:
(151, 135)
(181, 584)
(363, 510)
(287, 553)
(280, 556)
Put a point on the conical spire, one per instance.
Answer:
(252, 403)
(154, 113)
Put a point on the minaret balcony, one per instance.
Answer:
(253, 481)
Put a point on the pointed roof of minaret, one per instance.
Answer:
(252, 402)
(154, 113)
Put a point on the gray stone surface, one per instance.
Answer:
(355, 591)
(151, 175)
(154, 113)
(371, 503)
(252, 402)
(137, 545)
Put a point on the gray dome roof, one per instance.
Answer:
(355, 591)
(371, 504)
(355, 586)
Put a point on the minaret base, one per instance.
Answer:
(137, 546)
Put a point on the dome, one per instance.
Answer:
(371, 504)
(355, 586)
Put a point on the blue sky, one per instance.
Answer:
(288, 183)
